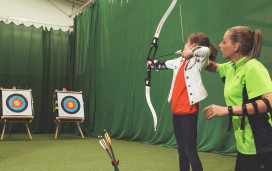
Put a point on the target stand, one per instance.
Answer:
(68, 107)
(16, 106)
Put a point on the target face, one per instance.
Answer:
(17, 103)
(70, 105)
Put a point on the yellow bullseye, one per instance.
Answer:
(70, 104)
(17, 103)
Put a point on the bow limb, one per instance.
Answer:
(166, 14)
(147, 95)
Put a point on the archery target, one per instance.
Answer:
(17, 103)
(70, 105)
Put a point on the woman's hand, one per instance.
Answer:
(212, 67)
(148, 63)
(215, 110)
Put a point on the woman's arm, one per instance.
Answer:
(212, 67)
(215, 110)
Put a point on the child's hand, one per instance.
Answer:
(188, 54)
(148, 63)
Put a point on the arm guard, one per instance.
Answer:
(245, 113)
(255, 105)
(267, 105)
(230, 117)
(158, 65)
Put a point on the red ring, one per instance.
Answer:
(70, 101)
(16, 106)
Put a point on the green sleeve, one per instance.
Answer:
(258, 81)
(222, 69)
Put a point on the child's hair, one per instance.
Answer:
(202, 40)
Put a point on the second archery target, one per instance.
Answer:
(16, 103)
(68, 104)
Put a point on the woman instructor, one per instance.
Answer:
(248, 95)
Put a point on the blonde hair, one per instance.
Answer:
(250, 40)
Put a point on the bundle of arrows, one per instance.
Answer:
(110, 153)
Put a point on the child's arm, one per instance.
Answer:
(158, 65)
(201, 56)
(166, 64)
(201, 51)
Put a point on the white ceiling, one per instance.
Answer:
(42, 12)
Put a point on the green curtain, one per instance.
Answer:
(112, 37)
(103, 58)
(84, 67)
(38, 59)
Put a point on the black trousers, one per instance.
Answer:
(185, 129)
(259, 162)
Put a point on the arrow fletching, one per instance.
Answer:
(179, 52)
(107, 138)
(102, 144)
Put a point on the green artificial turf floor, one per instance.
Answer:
(70, 152)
